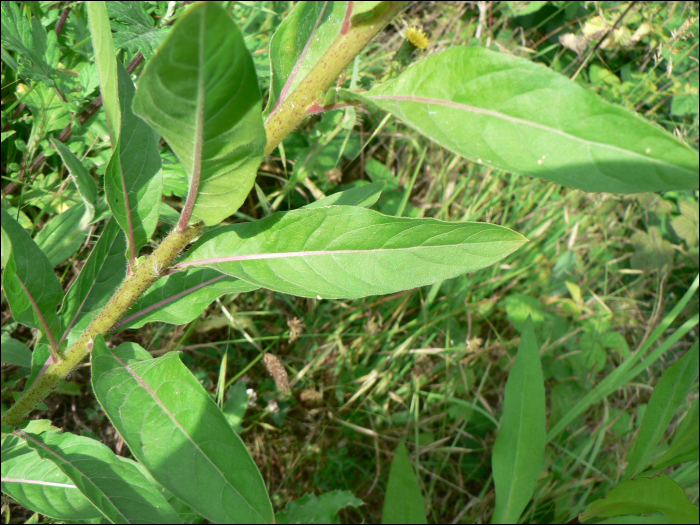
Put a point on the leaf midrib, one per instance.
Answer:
(142, 382)
(282, 255)
(515, 120)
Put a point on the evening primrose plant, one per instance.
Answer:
(200, 92)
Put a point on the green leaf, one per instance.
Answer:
(644, 496)
(363, 10)
(106, 60)
(518, 452)
(101, 275)
(201, 94)
(63, 234)
(114, 485)
(133, 180)
(403, 502)
(365, 196)
(345, 251)
(48, 110)
(31, 286)
(668, 396)
(174, 429)
(321, 509)
(39, 485)
(513, 114)
(521, 8)
(651, 250)
(686, 441)
(14, 352)
(36, 49)
(686, 224)
(83, 181)
(235, 407)
(40, 359)
(133, 28)
(182, 297)
(300, 41)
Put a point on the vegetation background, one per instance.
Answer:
(429, 365)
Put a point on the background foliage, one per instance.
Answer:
(428, 365)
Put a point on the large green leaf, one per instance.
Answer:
(668, 396)
(31, 286)
(175, 429)
(134, 180)
(518, 453)
(403, 502)
(102, 273)
(39, 485)
(106, 60)
(511, 113)
(345, 251)
(299, 43)
(201, 94)
(182, 297)
(114, 485)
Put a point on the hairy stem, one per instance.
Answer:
(296, 106)
(131, 289)
(291, 111)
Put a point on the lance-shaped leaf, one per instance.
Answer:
(114, 485)
(671, 391)
(106, 60)
(41, 359)
(344, 251)
(87, 188)
(15, 352)
(364, 196)
(63, 234)
(299, 43)
(175, 430)
(31, 286)
(102, 273)
(519, 116)
(134, 180)
(39, 485)
(403, 502)
(644, 496)
(201, 94)
(182, 297)
(686, 445)
(518, 453)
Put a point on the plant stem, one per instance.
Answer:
(131, 289)
(295, 107)
(298, 105)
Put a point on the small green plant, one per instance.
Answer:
(200, 92)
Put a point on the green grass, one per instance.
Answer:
(429, 365)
